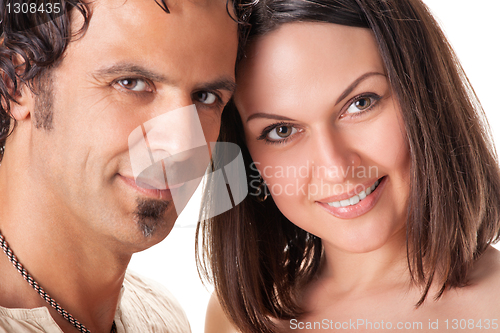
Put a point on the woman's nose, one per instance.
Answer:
(333, 156)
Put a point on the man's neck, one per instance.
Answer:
(77, 269)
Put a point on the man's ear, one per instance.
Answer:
(23, 106)
(24, 101)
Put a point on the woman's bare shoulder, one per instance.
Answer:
(216, 320)
(477, 300)
(486, 271)
(484, 280)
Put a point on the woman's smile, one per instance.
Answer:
(357, 204)
(335, 116)
(373, 186)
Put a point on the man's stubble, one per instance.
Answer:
(149, 213)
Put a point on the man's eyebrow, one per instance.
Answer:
(131, 70)
(268, 116)
(355, 84)
(224, 83)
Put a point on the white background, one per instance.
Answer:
(473, 30)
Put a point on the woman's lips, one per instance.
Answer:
(355, 209)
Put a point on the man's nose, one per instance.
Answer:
(174, 133)
(169, 149)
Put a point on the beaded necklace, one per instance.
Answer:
(13, 259)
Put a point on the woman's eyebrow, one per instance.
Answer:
(344, 94)
(355, 84)
(268, 116)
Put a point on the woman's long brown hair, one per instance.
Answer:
(258, 260)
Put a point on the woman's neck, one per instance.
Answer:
(352, 272)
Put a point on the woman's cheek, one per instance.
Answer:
(286, 173)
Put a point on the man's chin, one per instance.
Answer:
(155, 218)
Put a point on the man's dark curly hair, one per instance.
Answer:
(40, 41)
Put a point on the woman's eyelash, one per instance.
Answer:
(374, 98)
(277, 142)
(265, 132)
(269, 128)
(372, 102)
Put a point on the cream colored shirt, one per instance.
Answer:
(144, 307)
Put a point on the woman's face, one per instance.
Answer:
(326, 133)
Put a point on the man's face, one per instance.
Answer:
(134, 63)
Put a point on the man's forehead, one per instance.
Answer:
(144, 14)
(165, 5)
(192, 43)
(146, 11)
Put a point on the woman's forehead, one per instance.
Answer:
(305, 60)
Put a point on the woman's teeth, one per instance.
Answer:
(355, 199)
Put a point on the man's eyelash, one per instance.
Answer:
(218, 97)
(146, 81)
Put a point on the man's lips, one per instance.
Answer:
(164, 194)
(151, 185)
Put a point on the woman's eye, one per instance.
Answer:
(281, 132)
(138, 85)
(206, 97)
(361, 104)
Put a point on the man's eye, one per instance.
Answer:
(206, 97)
(281, 132)
(138, 85)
